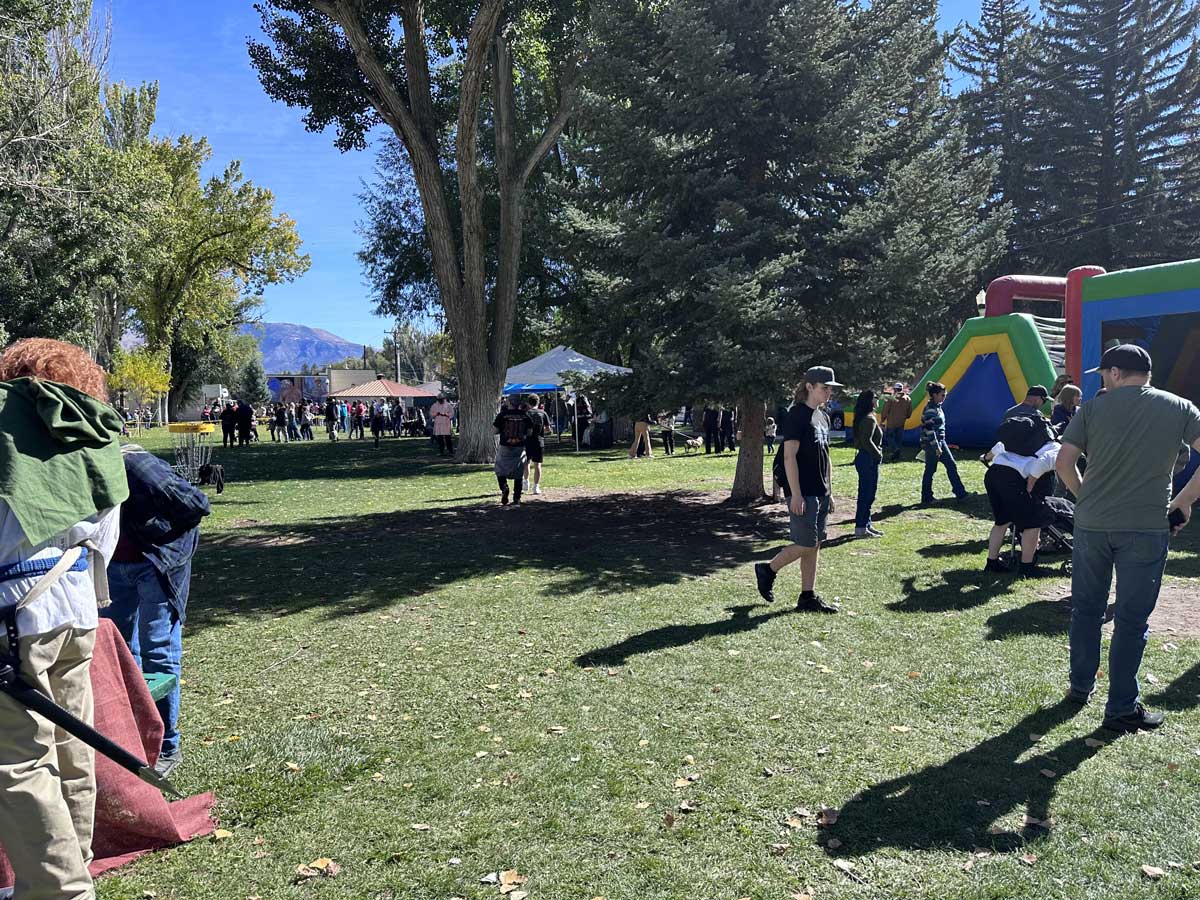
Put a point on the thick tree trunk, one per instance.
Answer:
(748, 477)
(479, 397)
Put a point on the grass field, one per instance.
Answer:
(386, 669)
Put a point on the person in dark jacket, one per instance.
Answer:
(711, 419)
(727, 441)
(151, 573)
(228, 425)
(245, 422)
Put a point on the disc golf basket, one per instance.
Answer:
(192, 449)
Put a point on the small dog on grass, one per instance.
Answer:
(691, 445)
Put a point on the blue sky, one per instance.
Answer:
(197, 52)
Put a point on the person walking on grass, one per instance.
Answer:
(868, 444)
(331, 419)
(514, 427)
(442, 413)
(641, 439)
(896, 410)
(933, 443)
(711, 420)
(1123, 522)
(809, 471)
(535, 444)
(666, 423)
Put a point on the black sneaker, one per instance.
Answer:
(766, 581)
(504, 499)
(995, 565)
(1135, 721)
(815, 603)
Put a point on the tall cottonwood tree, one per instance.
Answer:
(769, 185)
(358, 63)
(1116, 90)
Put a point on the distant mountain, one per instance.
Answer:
(286, 347)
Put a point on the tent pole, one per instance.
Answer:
(576, 428)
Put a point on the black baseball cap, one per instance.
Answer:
(821, 375)
(1036, 390)
(1130, 357)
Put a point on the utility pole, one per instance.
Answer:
(396, 348)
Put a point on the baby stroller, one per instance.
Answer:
(1057, 537)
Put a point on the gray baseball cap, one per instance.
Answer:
(821, 375)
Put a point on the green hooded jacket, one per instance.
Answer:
(60, 459)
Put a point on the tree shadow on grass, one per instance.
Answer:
(958, 589)
(959, 804)
(677, 636)
(355, 563)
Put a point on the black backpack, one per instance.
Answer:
(1025, 433)
(779, 471)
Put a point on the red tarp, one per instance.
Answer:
(132, 818)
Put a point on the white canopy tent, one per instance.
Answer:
(546, 373)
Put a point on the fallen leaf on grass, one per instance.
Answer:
(642, 804)
(419, 826)
(1172, 767)
(827, 817)
(833, 844)
(1028, 858)
(1036, 737)
(669, 820)
(490, 878)
(1153, 872)
(774, 718)
(780, 849)
(517, 895)
(687, 807)
(220, 834)
(513, 877)
(1034, 822)
(1048, 773)
(968, 865)
(1092, 742)
(557, 729)
(793, 822)
(914, 674)
(900, 729)
(292, 766)
(318, 867)
(844, 865)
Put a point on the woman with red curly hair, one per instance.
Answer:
(61, 483)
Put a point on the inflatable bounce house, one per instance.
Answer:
(1035, 328)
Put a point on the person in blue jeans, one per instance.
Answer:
(933, 442)
(868, 441)
(1131, 436)
(150, 577)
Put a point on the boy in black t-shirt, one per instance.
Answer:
(805, 430)
(514, 427)
(535, 444)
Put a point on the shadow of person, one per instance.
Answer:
(1045, 617)
(955, 548)
(958, 589)
(1181, 694)
(960, 803)
(677, 636)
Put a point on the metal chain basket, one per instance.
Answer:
(192, 449)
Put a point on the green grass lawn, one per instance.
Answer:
(385, 668)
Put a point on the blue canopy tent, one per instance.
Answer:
(545, 373)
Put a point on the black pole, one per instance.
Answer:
(33, 699)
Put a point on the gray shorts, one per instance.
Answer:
(808, 530)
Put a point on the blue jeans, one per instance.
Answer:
(151, 627)
(893, 440)
(1139, 558)
(868, 486)
(931, 464)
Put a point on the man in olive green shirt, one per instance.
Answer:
(1131, 436)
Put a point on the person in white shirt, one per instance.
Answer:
(59, 453)
(1017, 487)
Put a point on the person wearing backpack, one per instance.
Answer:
(535, 444)
(807, 476)
(1018, 482)
(933, 443)
(514, 428)
(1035, 399)
(896, 410)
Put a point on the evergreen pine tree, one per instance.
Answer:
(770, 185)
(1117, 92)
(994, 55)
(253, 385)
